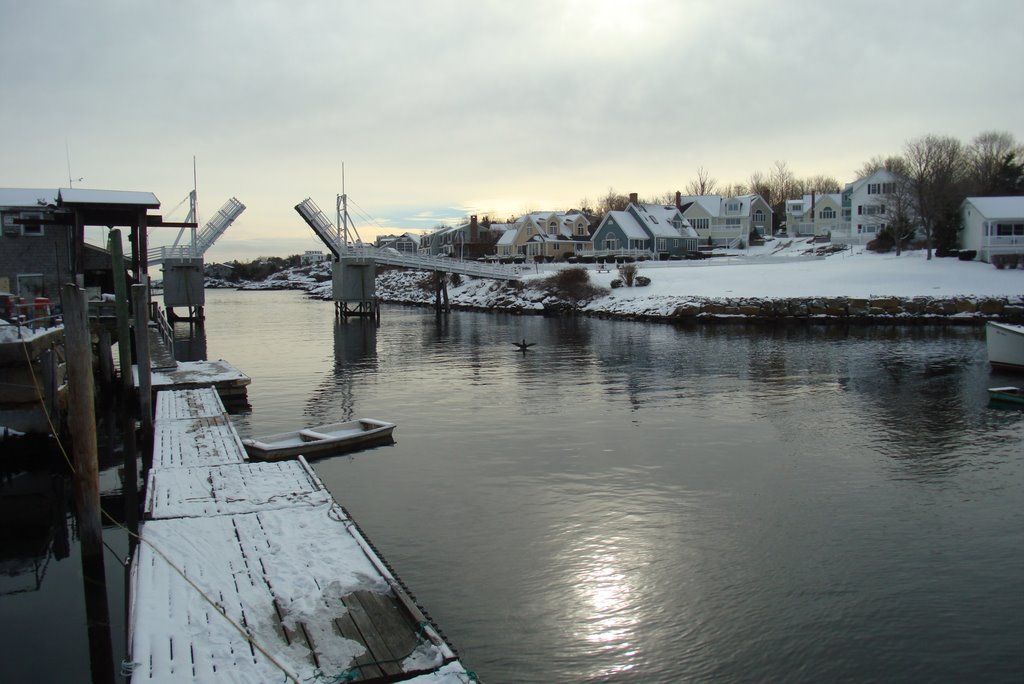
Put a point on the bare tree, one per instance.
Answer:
(992, 158)
(893, 164)
(935, 169)
(900, 212)
(760, 185)
(703, 184)
(612, 201)
(734, 190)
(819, 185)
(783, 184)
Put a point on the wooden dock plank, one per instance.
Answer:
(235, 488)
(280, 582)
(196, 441)
(301, 558)
(186, 404)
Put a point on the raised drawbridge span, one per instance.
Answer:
(342, 248)
(203, 239)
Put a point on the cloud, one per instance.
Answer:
(446, 108)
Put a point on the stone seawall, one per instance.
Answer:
(888, 309)
(482, 295)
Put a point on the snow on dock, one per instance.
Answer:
(252, 572)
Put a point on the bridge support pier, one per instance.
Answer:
(441, 303)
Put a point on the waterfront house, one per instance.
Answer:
(312, 256)
(469, 240)
(547, 234)
(992, 226)
(655, 230)
(406, 243)
(814, 215)
(726, 221)
(864, 207)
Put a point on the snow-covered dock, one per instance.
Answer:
(252, 572)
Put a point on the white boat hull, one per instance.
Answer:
(319, 441)
(1005, 344)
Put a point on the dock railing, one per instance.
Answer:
(163, 328)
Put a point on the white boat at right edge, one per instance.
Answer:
(1005, 343)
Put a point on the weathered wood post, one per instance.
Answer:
(140, 306)
(124, 333)
(82, 423)
(104, 357)
(82, 418)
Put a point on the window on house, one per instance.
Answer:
(827, 213)
(759, 216)
(30, 285)
(611, 243)
(732, 206)
(732, 222)
(699, 223)
(1006, 229)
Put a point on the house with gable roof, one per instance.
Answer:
(992, 226)
(469, 240)
(864, 208)
(726, 221)
(547, 234)
(655, 230)
(407, 243)
(814, 215)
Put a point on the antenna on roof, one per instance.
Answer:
(67, 154)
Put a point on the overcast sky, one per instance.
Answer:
(443, 108)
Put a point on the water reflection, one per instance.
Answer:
(34, 523)
(636, 502)
(189, 341)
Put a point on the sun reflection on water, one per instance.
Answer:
(605, 592)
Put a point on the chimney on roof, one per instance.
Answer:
(679, 200)
(632, 198)
(474, 230)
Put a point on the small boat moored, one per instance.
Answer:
(1005, 343)
(1007, 395)
(322, 440)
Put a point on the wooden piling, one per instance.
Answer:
(82, 418)
(140, 306)
(105, 358)
(124, 336)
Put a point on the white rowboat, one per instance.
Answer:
(321, 440)
(1005, 345)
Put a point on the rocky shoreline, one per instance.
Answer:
(408, 287)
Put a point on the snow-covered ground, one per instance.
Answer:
(781, 269)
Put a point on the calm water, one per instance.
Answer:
(635, 502)
(642, 503)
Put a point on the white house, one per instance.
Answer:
(864, 208)
(312, 256)
(814, 215)
(992, 225)
(726, 221)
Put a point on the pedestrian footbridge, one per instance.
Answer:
(332, 238)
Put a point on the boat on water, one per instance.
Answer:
(322, 440)
(1005, 343)
(1007, 395)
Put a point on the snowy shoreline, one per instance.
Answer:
(854, 287)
